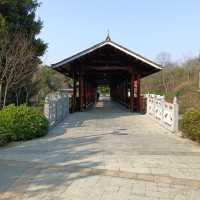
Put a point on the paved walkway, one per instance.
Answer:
(104, 153)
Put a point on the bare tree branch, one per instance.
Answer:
(16, 63)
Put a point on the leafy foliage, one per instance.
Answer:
(179, 80)
(19, 16)
(4, 137)
(46, 81)
(190, 124)
(104, 90)
(22, 123)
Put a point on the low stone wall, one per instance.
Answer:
(164, 112)
(56, 107)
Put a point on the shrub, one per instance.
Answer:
(190, 124)
(4, 137)
(22, 122)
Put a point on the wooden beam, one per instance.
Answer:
(107, 68)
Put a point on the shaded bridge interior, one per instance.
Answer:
(106, 66)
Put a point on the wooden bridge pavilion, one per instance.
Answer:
(107, 63)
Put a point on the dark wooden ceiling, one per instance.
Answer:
(107, 65)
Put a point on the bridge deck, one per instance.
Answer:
(103, 153)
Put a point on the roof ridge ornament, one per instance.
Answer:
(108, 38)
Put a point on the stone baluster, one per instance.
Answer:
(175, 115)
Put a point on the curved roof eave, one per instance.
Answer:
(113, 44)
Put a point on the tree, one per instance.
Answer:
(164, 59)
(16, 63)
(181, 80)
(19, 16)
(18, 40)
(45, 81)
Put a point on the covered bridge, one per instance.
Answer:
(106, 63)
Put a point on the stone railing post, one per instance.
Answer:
(175, 115)
(162, 107)
(154, 105)
(56, 108)
(47, 108)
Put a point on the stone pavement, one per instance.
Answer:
(104, 153)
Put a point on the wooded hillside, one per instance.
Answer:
(181, 80)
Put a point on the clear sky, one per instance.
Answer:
(147, 27)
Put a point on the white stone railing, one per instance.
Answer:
(165, 113)
(56, 107)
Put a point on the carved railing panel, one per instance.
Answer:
(164, 112)
(56, 107)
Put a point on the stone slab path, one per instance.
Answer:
(105, 153)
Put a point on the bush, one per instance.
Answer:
(22, 123)
(4, 137)
(190, 124)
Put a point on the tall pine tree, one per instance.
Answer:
(20, 16)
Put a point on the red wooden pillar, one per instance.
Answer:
(81, 91)
(132, 92)
(126, 91)
(74, 94)
(122, 92)
(138, 93)
(85, 94)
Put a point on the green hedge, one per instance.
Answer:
(190, 124)
(21, 123)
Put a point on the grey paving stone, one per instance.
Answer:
(103, 153)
